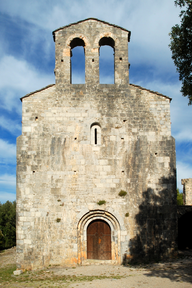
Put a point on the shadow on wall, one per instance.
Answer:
(156, 235)
(155, 225)
(184, 231)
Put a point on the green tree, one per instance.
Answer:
(181, 47)
(1, 240)
(179, 198)
(7, 225)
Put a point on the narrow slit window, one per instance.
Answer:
(95, 134)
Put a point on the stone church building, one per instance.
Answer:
(95, 162)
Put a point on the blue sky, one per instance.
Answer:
(27, 64)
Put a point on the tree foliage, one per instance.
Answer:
(181, 47)
(7, 225)
(179, 198)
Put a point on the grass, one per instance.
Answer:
(41, 278)
(7, 272)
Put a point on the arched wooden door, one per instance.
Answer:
(99, 240)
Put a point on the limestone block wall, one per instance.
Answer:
(62, 174)
(84, 143)
(187, 191)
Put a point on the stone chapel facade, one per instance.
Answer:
(95, 162)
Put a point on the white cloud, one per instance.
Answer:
(181, 113)
(184, 134)
(107, 79)
(7, 152)
(10, 125)
(184, 170)
(8, 180)
(9, 99)
(17, 79)
(149, 21)
(77, 78)
(181, 118)
(4, 197)
(20, 75)
(45, 13)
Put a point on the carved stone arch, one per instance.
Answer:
(77, 35)
(67, 48)
(107, 35)
(114, 225)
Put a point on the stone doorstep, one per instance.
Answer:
(98, 262)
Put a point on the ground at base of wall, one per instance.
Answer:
(175, 274)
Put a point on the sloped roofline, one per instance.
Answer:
(136, 86)
(154, 92)
(81, 21)
(36, 91)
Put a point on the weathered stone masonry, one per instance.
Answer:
(187, 191)
(62, 171)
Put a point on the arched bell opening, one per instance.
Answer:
(107, 60)
(77, 62)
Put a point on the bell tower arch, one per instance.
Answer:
(81, 34)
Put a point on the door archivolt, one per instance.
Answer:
(101, 227)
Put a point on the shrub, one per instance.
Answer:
(101, 202)
(122, 193)
(179, 198)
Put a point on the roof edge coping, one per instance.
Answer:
(134, 85)
(154, 92)
(36, 91)
(129, 35)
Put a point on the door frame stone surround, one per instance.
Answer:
(112, 221)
